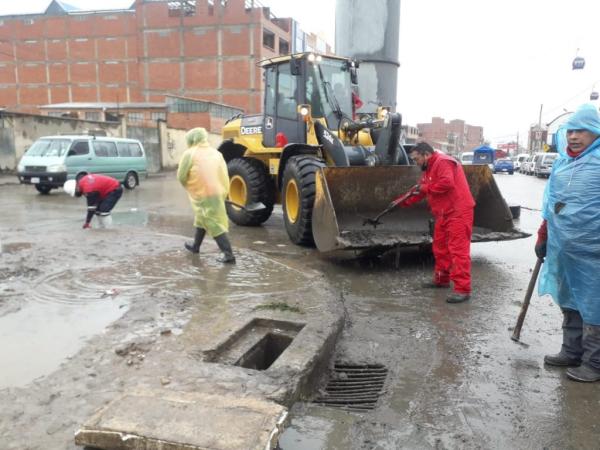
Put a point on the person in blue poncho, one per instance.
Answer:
(569, 240)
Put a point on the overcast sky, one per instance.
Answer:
(489, 62)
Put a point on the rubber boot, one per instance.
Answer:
(194, 247)
(458, 297)
(104, 220)
(571, 349)
(225, 246)
(589, 371)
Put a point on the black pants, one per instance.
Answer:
(106, 205)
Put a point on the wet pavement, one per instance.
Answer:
(455, 379)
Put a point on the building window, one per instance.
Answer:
(159, 116)
(135, 117)
(92, 115)
(179, 8)
(268, 39)
(284, 47)
(55, 114)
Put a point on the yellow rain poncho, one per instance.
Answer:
(203, 173)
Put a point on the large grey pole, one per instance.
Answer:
(369, 31)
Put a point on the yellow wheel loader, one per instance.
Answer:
(330, 170)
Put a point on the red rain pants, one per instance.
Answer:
(452, 250)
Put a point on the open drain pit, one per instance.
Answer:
(257, 345)
(353, 387)
(265, 352)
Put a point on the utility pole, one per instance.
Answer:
(517, 143)
(539, 141)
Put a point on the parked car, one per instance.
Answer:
(52, 160)
(466, 158)
(543, 166)
(504, 165)
(519, 160)
(525, 164)
(533, 163)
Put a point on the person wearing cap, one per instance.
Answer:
(569, 240)
(203, 173)
(102, 194)
(446, 189)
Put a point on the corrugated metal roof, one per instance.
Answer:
(105, 105)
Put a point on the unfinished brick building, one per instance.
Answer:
(193, 48)
(453, 137)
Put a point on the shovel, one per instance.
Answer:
(375, 220)
(536, 270)
(250, 207)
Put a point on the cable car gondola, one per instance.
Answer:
(594, 96)
(578, 62)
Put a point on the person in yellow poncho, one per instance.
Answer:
(203, 173)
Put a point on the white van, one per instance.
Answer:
(466, 158)
(52, 160)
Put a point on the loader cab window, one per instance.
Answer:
(328, 87)
(270, 84)
(286, 93)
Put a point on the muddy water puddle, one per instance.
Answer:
(62, 310)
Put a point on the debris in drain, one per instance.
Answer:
(110, 293)
(353, 387)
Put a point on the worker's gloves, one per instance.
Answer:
(87, 225)
(542, 239)
(399, 201)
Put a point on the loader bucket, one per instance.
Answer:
(346, 196)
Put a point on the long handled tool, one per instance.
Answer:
(375, 220)
(250, 207)
(536, 270)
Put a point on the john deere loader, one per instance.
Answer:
(331, 170)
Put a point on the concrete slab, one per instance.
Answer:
(184, 421)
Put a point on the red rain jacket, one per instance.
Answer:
(445, 186)
(97, 183)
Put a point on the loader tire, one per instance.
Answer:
(249, 182)
(298, 198)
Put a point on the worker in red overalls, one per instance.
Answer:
(102, 194)
(445, 187)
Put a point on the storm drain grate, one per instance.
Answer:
(354, 387)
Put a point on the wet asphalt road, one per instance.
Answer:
(456, 380)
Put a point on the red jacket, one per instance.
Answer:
(97, 183)
(445, 186)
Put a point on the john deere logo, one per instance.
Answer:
(251, 130)
(328, 136)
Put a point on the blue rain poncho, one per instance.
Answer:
(572, 208)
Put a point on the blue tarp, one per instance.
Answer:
(483, 155)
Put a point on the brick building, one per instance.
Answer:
(453, 137)
(199, 49)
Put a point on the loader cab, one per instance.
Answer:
(325, 83)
